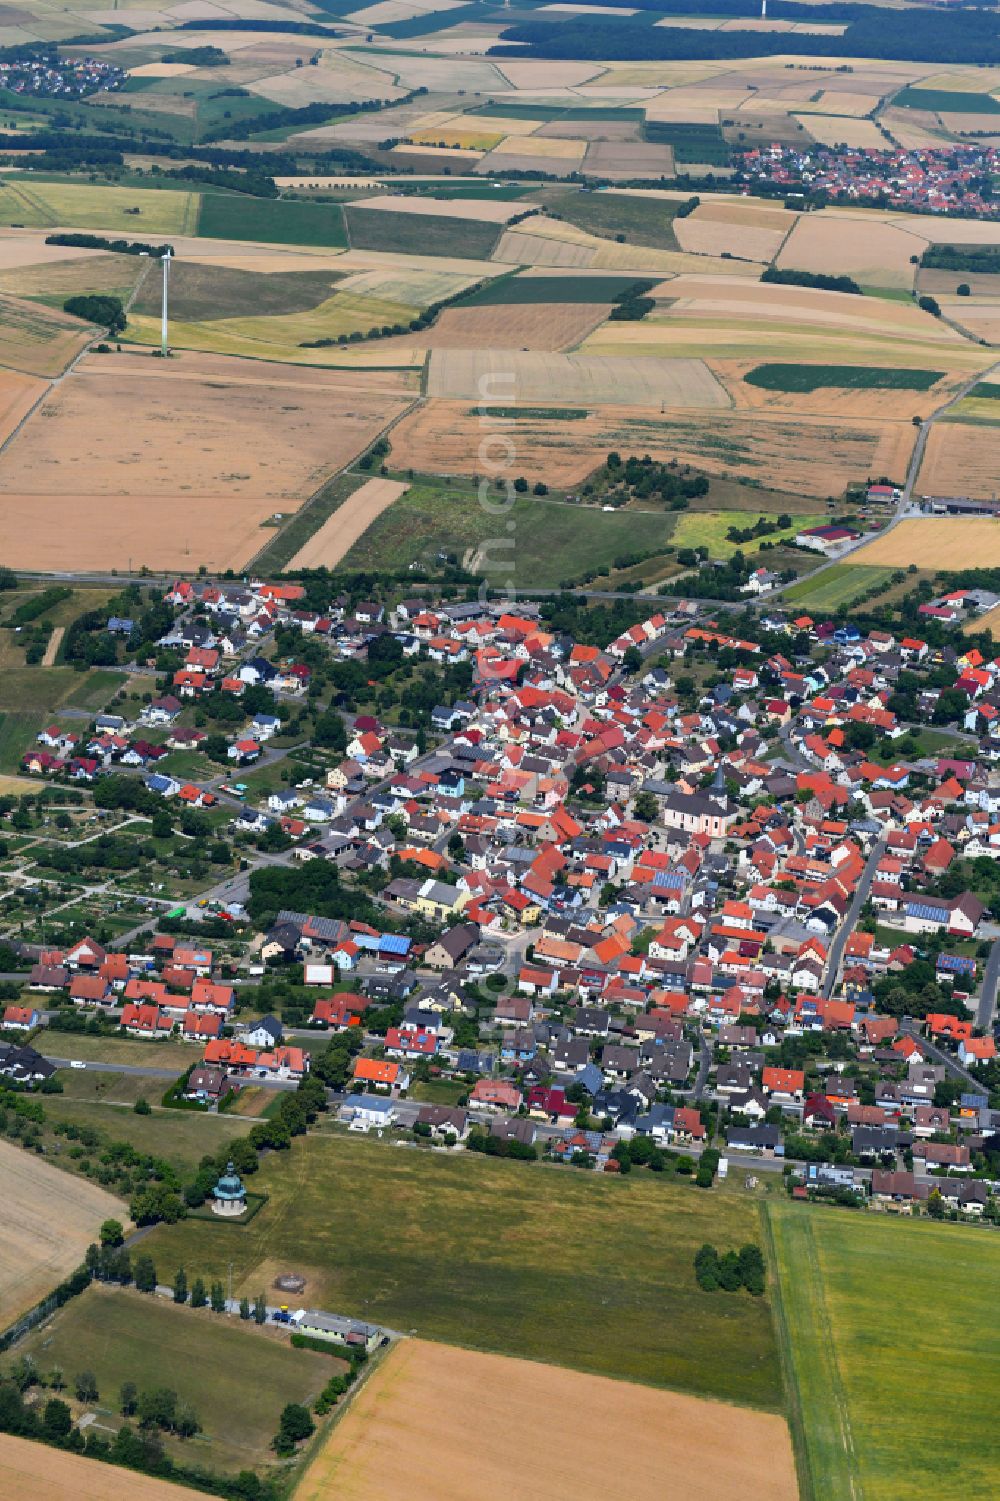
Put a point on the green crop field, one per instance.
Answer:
(236, 216)
(235, 1377)
(843, 377)
(573, 1268)
(840, 584)
(511, 290)
(947, 101)
(643, 221)
(199, 292)
(891, 1352)
(691, 142)
(986, 391)
(548, 541)
(420, 234)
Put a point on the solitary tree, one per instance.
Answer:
(112, 1233)
(198, 1296)
(218, 1298)
(128, 1398)
(260, 1309)
(86, 1387)
(180, 1286)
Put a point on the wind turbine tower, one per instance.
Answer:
(166, 283)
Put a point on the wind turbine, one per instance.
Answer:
(166, 281)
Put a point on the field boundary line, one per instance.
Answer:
(796, 1420)
(806, 1271)
(326, 1431)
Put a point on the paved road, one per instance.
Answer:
(951, 1063)
(848, 925)
(986, 1012)
(704, 1064)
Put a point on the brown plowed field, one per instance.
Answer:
(42, 1474)
(547, 327)
(812, 456)
(49, 1219)
(437, 1423)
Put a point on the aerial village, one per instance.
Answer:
(690, 898)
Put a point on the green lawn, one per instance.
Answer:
(420, 234)
(643, 221)
(539, 542)
(236, 216)
(236, 1377)
(894, 1352)
(137, 1052)
(709, 528)
(182, 1137)
(554, 1264)
(846, 377)
(838, 585)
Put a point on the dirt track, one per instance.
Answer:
(442, 1424)
(339, 533)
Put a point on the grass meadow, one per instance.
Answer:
(550, 541)
(236, 1378)
(892, 1353)
(590, 1272)
(709, 528)
(643, 221)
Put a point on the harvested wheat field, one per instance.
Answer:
(809, 456)
(47, 1474)
(527, 326)
(39, 340)
(350, 521)
(936, 542)
(962, 459)
(196, 425)
(710, 237)
(18, 394)
(866, 247)
(487, 375)
(841, 130)
(49, 1219)
(436, 1423)
(92, 533)
(989, 622)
